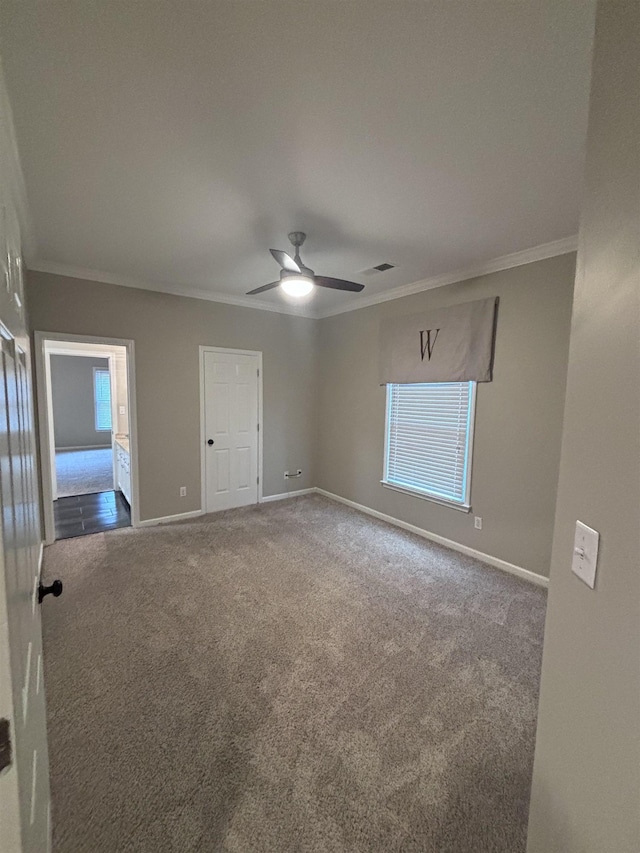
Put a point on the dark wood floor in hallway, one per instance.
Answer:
(83, 514)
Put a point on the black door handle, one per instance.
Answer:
(210, 442)
(55, 589)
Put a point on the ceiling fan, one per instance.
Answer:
(298, 280)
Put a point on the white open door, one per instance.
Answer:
(231, 395)
(24, 782)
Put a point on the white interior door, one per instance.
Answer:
(231, 388)
(24, 786)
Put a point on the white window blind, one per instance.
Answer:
(102, 398)
(429, 439)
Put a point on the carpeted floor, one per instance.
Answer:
(83, 472)
(290, 677)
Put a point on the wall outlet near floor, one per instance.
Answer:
(183, 491)
(477, 522)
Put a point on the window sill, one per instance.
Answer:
(415, 494)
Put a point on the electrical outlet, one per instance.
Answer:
(477, 523)
(122, 410)
(183, 491)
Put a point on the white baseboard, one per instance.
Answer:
(286, 495)
(165, 519)
(496, 562)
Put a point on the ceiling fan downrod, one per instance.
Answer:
(297, 238)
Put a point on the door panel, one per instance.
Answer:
(221, 466)
(20, 535)
(231, 422)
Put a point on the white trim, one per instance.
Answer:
(297, 494)
(505, 262)
(496, 562)
(45, 434)
(203, 479)
(101, 277)
(40, 558)
(423, 496)
(99, 351)
(166, 519)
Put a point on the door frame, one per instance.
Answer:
(45, 418)
(203, 470)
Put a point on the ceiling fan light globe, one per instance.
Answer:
(297, 285)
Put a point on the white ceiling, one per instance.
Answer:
(173, 143)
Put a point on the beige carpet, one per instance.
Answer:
(293, 677)
(83, 472)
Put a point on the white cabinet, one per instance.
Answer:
(123, 471)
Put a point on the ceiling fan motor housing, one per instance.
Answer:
(297, 238)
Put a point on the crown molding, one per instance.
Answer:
(515, 259)
(55, 268)
(505, 262)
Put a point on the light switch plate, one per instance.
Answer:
(585, 553)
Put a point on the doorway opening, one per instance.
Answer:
(87, 431)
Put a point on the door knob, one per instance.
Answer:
(210, 442)
(55, 589)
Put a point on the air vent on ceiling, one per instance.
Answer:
(379, 268)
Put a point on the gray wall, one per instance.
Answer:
(73, 401)
(167, 331)
(518, 415)
(586, 784)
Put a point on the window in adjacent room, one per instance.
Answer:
(429, 440)
(102, 398)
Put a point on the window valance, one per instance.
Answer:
(453, 344)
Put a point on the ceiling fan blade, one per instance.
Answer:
(264, 287)
(337, 283)
(285, 261)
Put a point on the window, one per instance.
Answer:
(429, 438)
(102, 398)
